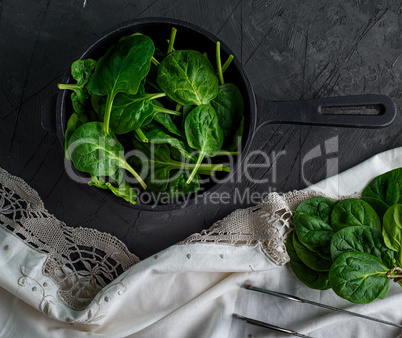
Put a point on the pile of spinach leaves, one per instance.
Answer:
(169, 108)
(353, 246)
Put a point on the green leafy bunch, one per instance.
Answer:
(354, 245)
(170, 108)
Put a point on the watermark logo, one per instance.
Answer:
(326, 155)
(166, 172)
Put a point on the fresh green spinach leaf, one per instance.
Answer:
(359, 277)
(129, 112)
(386, 187)
(154, 162)
(186, 111)
(81, 71)
(309, 258)
(121, 70)
(98, 153)
(314, 279)
(178, 187)
(98, 181)
(124, 191)
(379, 206)
(312, 224)
(229, 107)
(392, 229)
(353, 211)
(157, 135)
(384, 293)
(203, 133)
(188, 78)
(97, 103)
(318, 207)
(166, 121)
(361, 239)
(150, 83)
(73, 123)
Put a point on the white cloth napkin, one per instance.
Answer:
(191, 290)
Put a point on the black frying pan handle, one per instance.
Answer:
(331, 111)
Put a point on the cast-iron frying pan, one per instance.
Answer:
(296, 112)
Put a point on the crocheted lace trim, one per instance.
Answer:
(80, 261)
(83, 261)
(267, 223)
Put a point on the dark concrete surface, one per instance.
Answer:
(290, 50)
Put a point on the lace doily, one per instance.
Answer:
(267, 223)
(83, 261)
(80, 261)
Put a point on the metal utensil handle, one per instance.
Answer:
(270, 326)
(313, 112)
(329, 307)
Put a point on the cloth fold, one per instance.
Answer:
(190, 289)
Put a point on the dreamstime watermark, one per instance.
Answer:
(166, 173)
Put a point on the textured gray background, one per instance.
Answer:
(290, 50)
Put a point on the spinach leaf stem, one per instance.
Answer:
(227, 153)
(135, 174)
(227, 63)
(178, 107)
(171, 40)
(141, 135)
(108, 111)
(165, 110)
(69, 86)
(197, 164)
(218, 62)
(155, 61)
